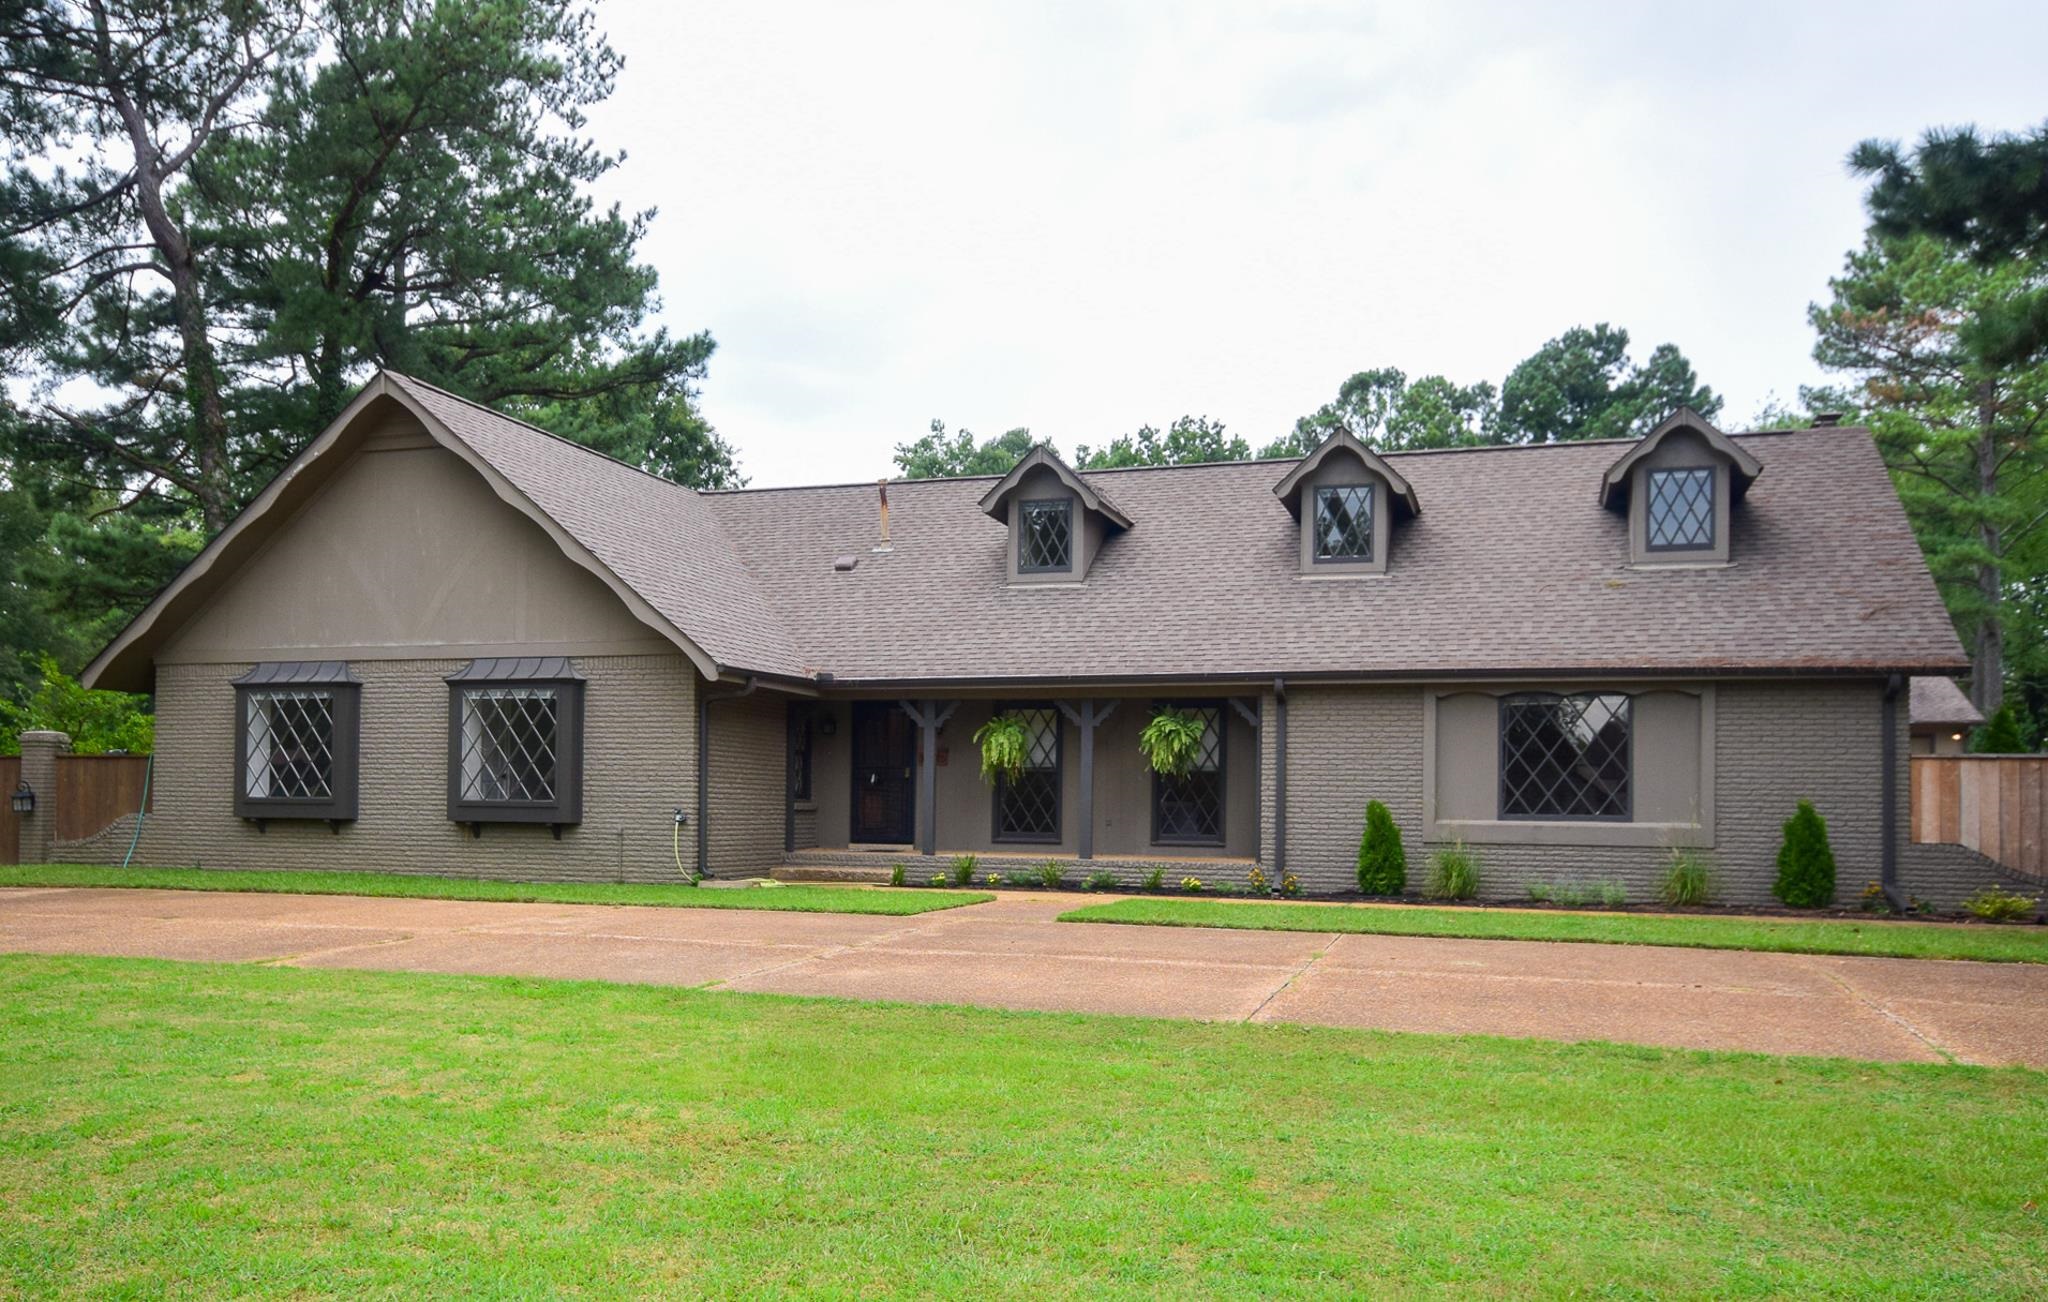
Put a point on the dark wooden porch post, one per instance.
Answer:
(930, 718)
(1251, 716)
(1085, 718)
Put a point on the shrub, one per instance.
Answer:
(1539, 891)
(1873, 900)
(1613, 894)
(1155, 879)
(938, 879)
(1453, 874)
(1191, 884)
(1574, 895)
(896, 874)
(1999, 735)
(1257, 882)
(963, 869)
(1102, 879)
(1290, 885)
(1806, 862)
(991, 880)
(1995, 905)
(1687, 880)
(96, 721)
(1021, 877)
(1382, 862)
(1050, 874)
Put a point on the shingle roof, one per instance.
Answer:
(1512, 568)
(1934, 700)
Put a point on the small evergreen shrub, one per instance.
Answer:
(896, 874)
(1050, 875)
(1102, 879)
(1995, 905)
(1999, 735)
(1575, 895)
(1382, 862)
(1021, 877)
(1453, 874)
(1155, 880)
(1806, 862)
(1687, 880)
(1540, 892)
(963, 869)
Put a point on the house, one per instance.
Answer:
(446, 641)
(1941, 716)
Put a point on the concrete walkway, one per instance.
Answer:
(1011, 954)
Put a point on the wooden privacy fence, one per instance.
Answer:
(1993, 804)
(93, 791)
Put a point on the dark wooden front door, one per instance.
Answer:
(884, 764)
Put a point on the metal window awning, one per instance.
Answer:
(291, 672)
(513, 669)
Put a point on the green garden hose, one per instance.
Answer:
(141, 810)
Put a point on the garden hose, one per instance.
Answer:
(141, 810)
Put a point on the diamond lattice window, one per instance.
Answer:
(290, 745)
(1344, 523)
(1564, 756)
(509, 740)
(1045, 538)
(1028, 806)
(1681, 509)
(1189, 809)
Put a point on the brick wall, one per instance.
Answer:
(1774, 743)
(749, 746)
(639, 764)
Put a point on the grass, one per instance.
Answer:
(1791, 936)
(792, 899)
(185, 1128)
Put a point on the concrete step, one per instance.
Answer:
(877, 874)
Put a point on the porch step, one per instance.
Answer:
(876, 874)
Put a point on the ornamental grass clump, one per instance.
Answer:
(963, 869)
(1172, 741)
(1687, 880)
(1382, 861)
(1050, 874)
(1453, 874)
(1806, 862)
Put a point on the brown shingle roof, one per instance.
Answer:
(1939, 701)
(1512, 568)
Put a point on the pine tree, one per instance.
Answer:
(1382, 862)
(1806, 862)
(2000, 735)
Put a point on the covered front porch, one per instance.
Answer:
(874, 781)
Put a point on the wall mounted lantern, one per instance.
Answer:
(24, 798)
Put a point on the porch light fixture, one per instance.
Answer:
(24, 798)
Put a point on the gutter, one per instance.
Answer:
(1279, 779)
(1888, 798)
(704, 703)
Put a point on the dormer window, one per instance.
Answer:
(1045, 536)
(1343, 525)
(1679, 485)
(1347, 499)
(1681, 509)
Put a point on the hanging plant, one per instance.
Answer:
(1004, 741)
(1172, 741)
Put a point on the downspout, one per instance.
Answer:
(704, 703)
(1279, 779)
(1888, 786)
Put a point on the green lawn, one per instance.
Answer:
(794, 899)
(186, 1128)
(1998, 944)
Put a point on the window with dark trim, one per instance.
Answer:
(1045, 536)
(1566, 757)
(1680, 517)
(1188, 810)
(296, 741)
(1343, 522)
(1027, 808)
(803, 721)
(515, 742)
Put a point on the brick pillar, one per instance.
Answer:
(39, 752)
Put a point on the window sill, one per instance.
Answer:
(1042, 585)
(1679, 565)
(1476, 831)
(1343, 576)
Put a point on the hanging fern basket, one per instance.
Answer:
(1004, 741)
(1171, 742)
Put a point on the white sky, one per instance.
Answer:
(1083, 218)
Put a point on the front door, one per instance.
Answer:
(884, 750)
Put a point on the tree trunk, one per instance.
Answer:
(1987, 659)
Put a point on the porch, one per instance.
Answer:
(877, 781)
(874, 866)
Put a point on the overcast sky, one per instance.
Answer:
(1084, 218)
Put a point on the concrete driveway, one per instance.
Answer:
(1011, 954)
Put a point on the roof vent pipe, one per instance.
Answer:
(882, 491)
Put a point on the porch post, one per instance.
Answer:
(1085, 718)
(1251, 716)
(930, 718)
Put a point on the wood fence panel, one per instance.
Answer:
(95, 790)
(1996, 805)
(10, 824)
